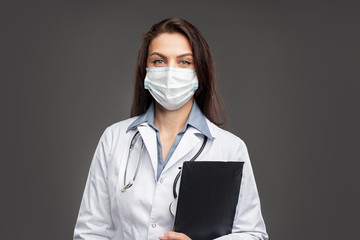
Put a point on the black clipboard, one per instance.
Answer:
(208, 197)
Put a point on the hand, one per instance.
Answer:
(174, 236)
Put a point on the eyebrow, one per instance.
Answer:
(163, 56)
(184, 55)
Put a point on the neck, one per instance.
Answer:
(172, 122)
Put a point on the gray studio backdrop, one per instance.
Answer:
(288, 73)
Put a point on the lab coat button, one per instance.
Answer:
(161, 180)
(153, 225)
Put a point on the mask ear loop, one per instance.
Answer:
(173, 205)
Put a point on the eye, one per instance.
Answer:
(185, 62)
(158, 61)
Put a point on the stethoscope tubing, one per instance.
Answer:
(132, 144)
(191, 160)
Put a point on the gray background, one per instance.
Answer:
(288, 72)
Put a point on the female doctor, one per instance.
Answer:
(173, 118)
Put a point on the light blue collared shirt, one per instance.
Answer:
(196, 119)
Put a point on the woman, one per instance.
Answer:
(128, 192)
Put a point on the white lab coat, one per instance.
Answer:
(142, 211)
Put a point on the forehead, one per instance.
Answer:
(170, 43)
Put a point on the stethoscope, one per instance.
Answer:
(132, 144)
(136, 136)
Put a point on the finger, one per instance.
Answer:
(174, 236)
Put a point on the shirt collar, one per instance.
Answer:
(148, 117)
(196, 119)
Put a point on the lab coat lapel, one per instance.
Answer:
(149, 136)
(186, 145)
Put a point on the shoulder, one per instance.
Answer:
(221, 134)
(116, 130)
(121, 125)
(113, 135)
(226, 140)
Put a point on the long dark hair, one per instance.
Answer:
(206, 95)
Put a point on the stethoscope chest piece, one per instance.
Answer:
(173, 207)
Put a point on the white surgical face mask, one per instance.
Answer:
(171, 87)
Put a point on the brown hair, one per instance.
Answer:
(206, 95)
